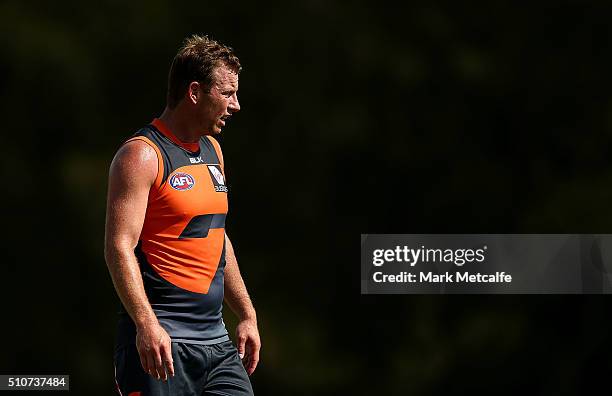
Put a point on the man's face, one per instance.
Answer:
(221, 102)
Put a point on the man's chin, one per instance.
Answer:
(215, 130)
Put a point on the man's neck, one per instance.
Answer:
(180, 126)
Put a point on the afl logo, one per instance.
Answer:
(181, 181)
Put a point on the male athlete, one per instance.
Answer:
(166, 249)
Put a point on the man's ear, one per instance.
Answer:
(194, 92)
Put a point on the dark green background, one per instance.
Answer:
(357, 118)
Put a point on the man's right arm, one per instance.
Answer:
(132, 173)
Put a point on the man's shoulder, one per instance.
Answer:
(135, 149)
(210, 139)
(136, 157)
(216, 146)
(144, 142)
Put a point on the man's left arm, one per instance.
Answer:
(237, 297)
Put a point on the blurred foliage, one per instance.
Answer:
(358, 117)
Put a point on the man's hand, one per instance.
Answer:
(248, 344)
(154, 347)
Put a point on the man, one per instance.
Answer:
(166, 249)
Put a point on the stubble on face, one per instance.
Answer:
(222, 99)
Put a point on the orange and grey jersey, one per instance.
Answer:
(181, 250)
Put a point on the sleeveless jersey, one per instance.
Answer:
(181, 251)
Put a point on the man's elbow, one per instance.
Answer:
(115, 250)
(110, 253)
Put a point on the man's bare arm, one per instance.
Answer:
(131, 175)
(237, 297)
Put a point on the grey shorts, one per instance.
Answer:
(198, 370)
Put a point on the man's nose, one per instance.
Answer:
(234, 106)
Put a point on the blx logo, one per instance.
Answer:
(181, 181)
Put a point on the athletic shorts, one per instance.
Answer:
(199, 370)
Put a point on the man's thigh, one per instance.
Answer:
(189, 373)
(227, 375)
